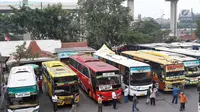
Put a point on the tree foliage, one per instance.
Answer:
(52, 22)
(105, 21)
(23, 52)
(150, 31)
(198, 28)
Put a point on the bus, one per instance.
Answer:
(135, 75)
(192, 70)
(96, 77)
(60, 80)
(187, 52)
(167, 72)
(22, 90)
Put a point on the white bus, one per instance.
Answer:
(22, 90)
(135, 75)
(191, 65)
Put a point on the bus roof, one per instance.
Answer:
(150, 57)
(58, 69)
(188, 52)
(94, 64)
(21, 76)
(171, 55)
(121, 60)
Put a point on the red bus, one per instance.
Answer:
(96, 77)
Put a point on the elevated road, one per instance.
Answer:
(5, 6)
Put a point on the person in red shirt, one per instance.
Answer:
(40, 86)
(183, 100)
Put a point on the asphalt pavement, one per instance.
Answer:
(163, 104)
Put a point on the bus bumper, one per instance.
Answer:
(32, 109)
(67, 100)
(192, 80)
(139, 90)
(170, 85)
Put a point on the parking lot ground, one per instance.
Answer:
(163, 104)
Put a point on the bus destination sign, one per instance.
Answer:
(173, 68)
(140, 69)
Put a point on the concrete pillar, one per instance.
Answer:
(173, 25)
(173, 17)
(25, 2)
(27, 36)
(130, 4)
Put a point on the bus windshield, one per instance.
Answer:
(66, 85)
(192, 70)
(108, 81)
(140, 78)
(177, 73)
(67, 79)
(66, 90)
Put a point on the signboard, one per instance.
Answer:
(20, 95)
(105, 87)
(191, 63)
(185, 15)
(173, 68)
(109, 74)
(140, 69)
(66, 54)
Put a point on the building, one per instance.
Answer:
(73, 48)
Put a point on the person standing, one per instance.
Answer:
(153, 97)
(100, 104)
(114, 99)
(135, 102)
(40, 86)
(183, 100)
(126, 95)
(175, 95)
(54, 101)
(148, 95)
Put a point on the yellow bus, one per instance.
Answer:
(60, 80)
(168, 72)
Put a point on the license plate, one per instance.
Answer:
(142, 94)
(19, 95)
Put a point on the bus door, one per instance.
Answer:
(158, 75)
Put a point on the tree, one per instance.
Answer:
(104, 21)
(52, 22)
(23, 52)
(150, 31)
(7, 27)
(198, 28)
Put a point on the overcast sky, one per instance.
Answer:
(148, 8)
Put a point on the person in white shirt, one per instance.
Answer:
(54, 101)
(100, 104)
(114, 99)
(126, 95)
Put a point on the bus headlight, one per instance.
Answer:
(134, 88)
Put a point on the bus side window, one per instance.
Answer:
(47, 74)
(85, 72)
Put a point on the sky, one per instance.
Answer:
(147, 8)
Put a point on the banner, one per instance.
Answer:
(173, 68)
